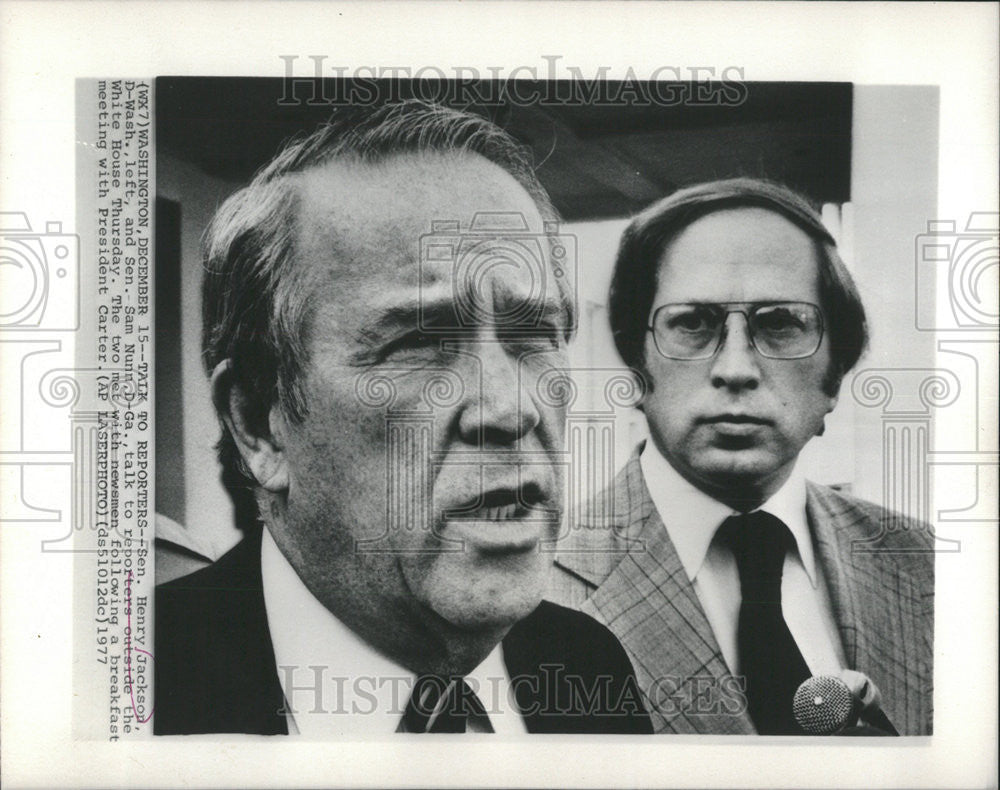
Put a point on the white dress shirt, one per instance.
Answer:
(356, 690)
(692, 519)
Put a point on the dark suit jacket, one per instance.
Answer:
(215, 668)
(619, 565)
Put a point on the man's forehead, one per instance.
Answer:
(387, 206)
(748, 249)
(728, 230)
(425, 229)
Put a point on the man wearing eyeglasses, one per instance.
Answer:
(727, 576)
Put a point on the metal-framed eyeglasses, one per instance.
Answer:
(777, 330)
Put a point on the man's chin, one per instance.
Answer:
(735, 470)
(482, 612)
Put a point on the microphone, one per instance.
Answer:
(829, 705)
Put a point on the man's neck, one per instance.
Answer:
(411, 636)
(742, 499)
(738, 492)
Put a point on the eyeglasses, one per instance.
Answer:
(778, 330)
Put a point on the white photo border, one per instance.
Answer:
(47, 46)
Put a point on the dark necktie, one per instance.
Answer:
(769, 658)
(439, 704)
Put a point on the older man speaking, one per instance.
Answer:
(379, 304)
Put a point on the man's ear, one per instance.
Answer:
(831, 404)
(257, 436)
(832, 390)
(643, 385)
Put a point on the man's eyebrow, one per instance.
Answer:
(407, 315)
(382, 328)
(443, 314)
(553, 311)
(412, 314)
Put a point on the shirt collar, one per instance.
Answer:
(304, 633)
(692, 517)
(789, 504)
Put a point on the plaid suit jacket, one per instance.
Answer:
(619, 565)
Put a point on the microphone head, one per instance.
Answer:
(824, 705)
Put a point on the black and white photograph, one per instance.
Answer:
(609, 391)
(485, 352)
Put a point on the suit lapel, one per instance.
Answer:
(215, 667)
(645, 597)
(877, 607)
(634, 582)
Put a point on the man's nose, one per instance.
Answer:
(736, 364)
(498, 408)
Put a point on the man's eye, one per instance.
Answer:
(421, 340)
(779, 320)
(693, 321)
(412, 343)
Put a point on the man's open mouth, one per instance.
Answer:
(502, 513)
(501, 504)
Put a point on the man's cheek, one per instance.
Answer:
(555, 421)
